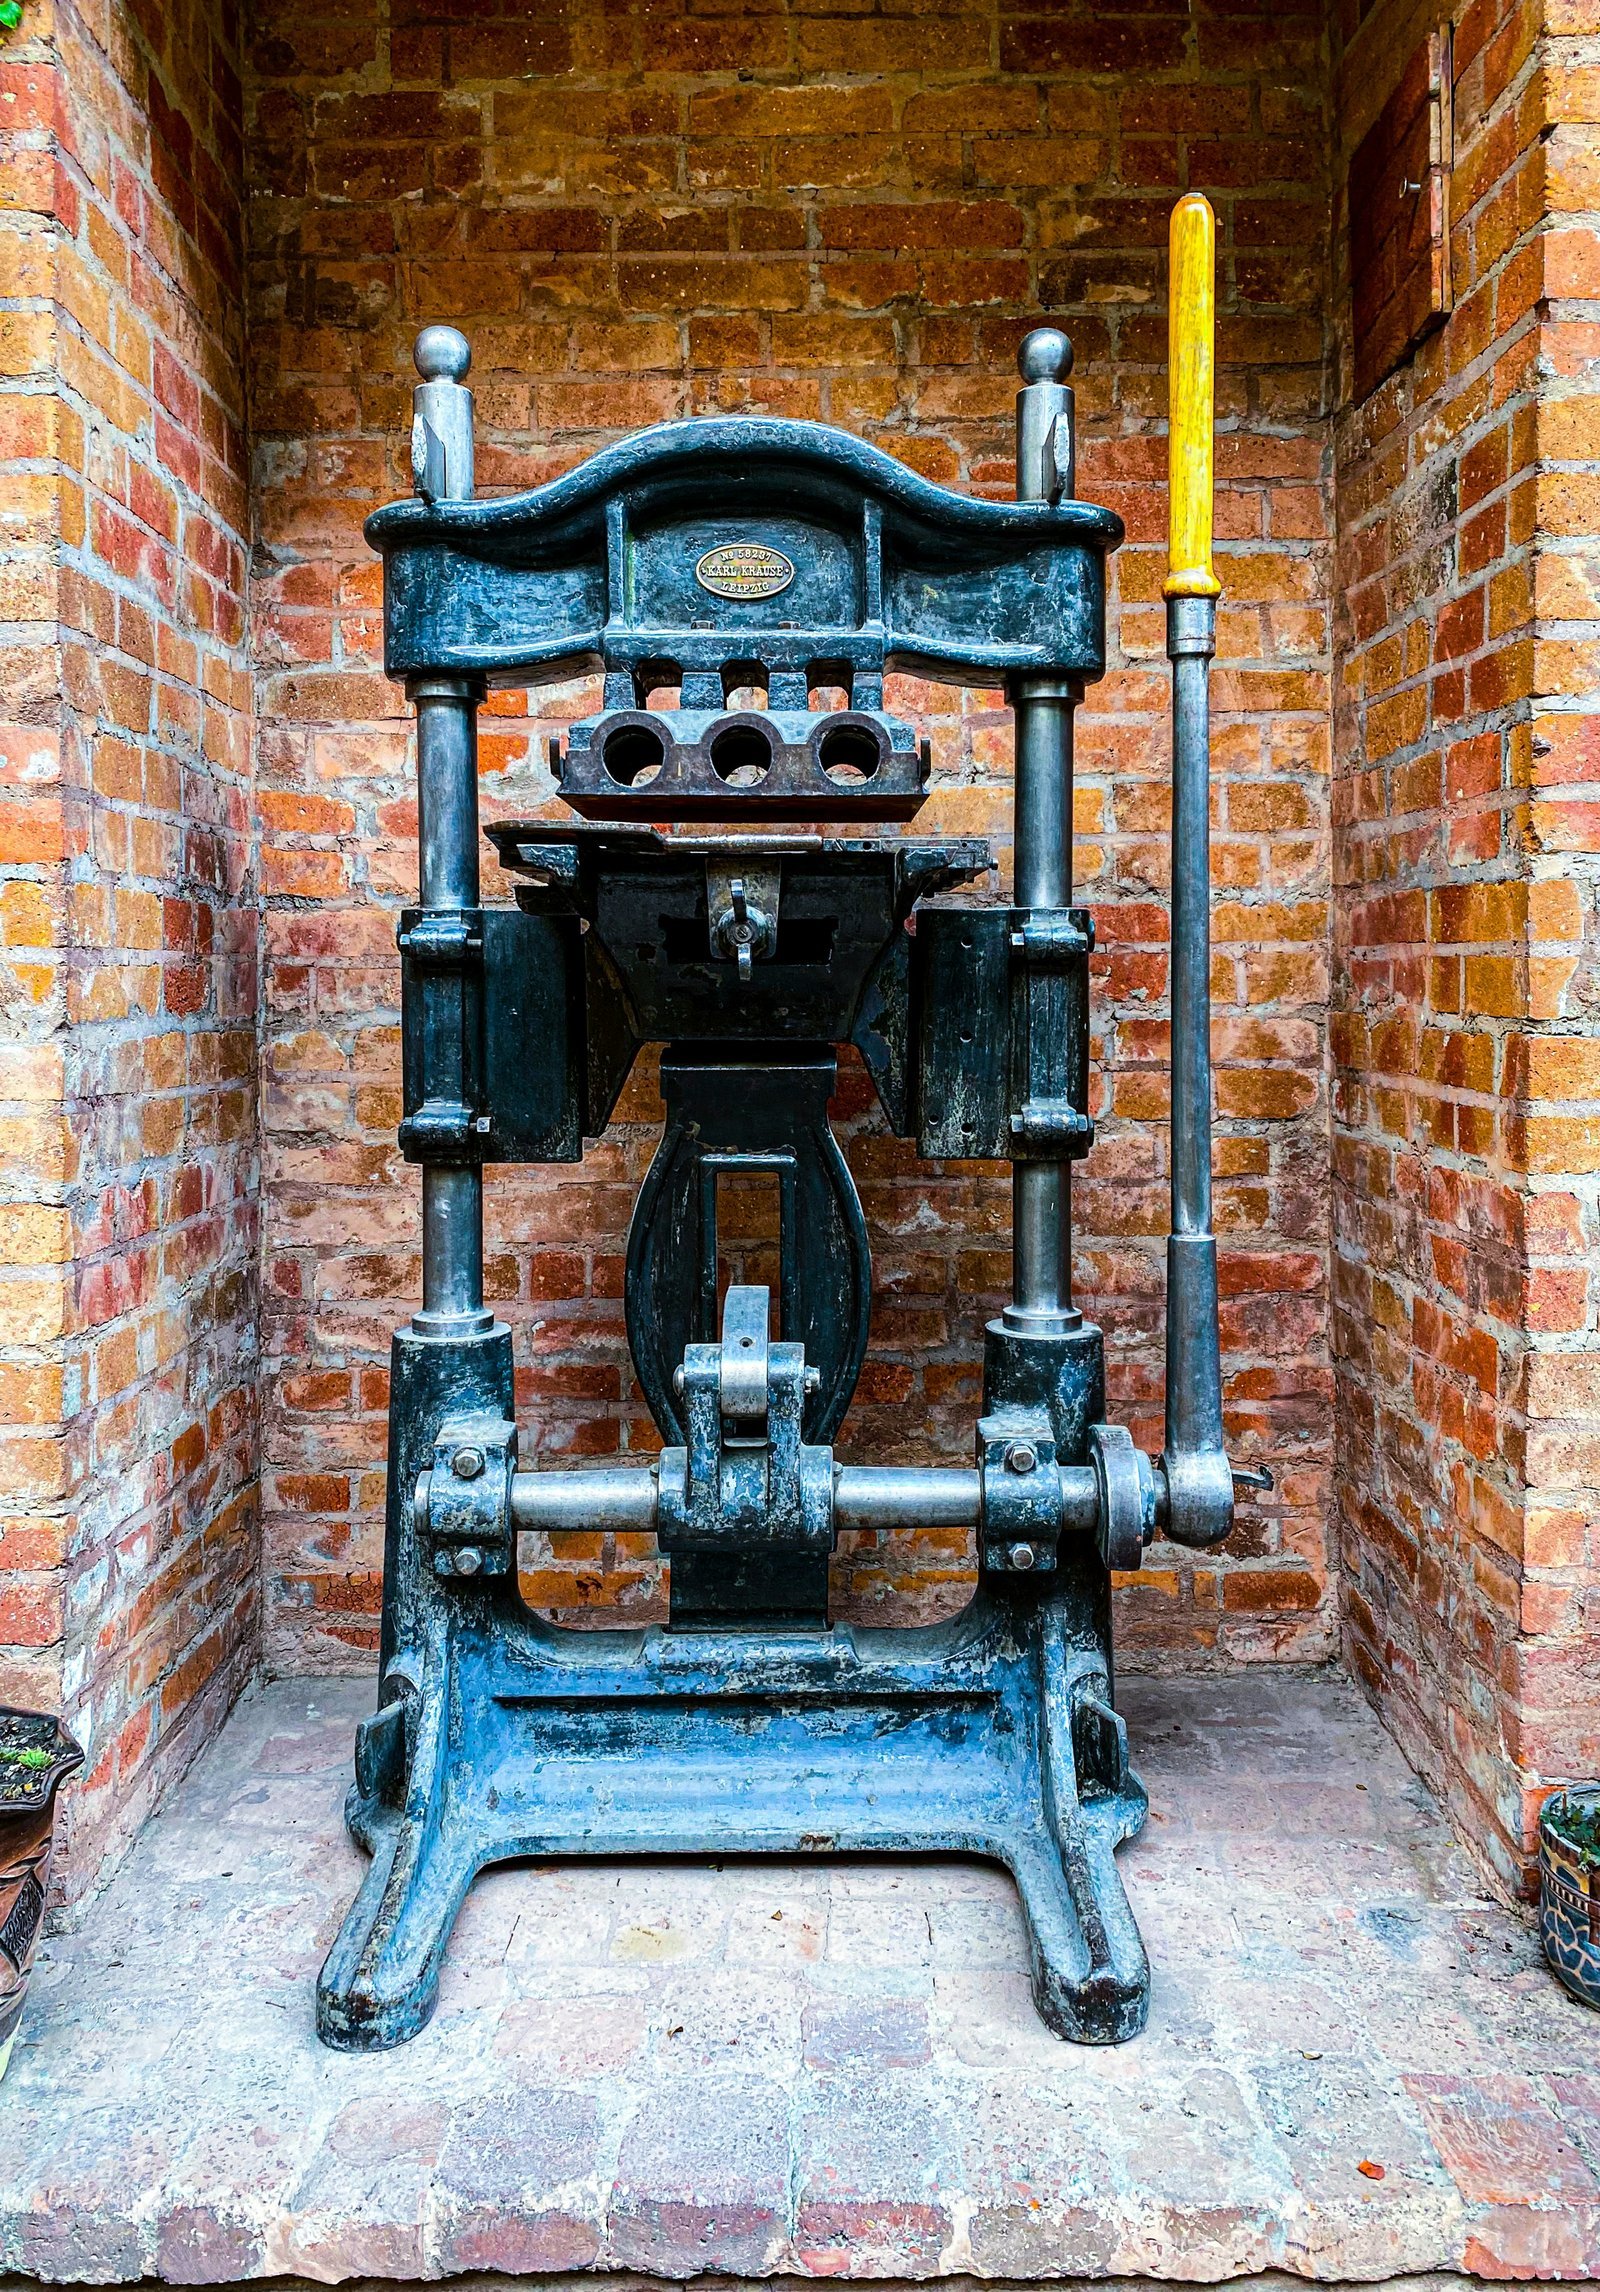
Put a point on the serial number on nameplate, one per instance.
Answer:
(744, 569)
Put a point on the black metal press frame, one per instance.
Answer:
(708, 555)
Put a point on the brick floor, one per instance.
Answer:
(1356, 2066)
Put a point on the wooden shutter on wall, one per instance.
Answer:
(1399, 210)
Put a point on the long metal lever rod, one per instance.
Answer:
(1198, 1482)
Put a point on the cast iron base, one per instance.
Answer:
(991, 1735)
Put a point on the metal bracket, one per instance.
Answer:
(384, 1744)
(441, 952)
(1050, 950)
(757, 1113)
(465, 1500)
(499, 1057)
(745, 1481)
(1099, 1742)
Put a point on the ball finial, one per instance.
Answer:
(442, 354)
(1045, 356)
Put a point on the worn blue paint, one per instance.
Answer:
(967, 1737)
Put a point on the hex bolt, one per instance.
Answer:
(1021, 1456)
(467, 1463)
(677, 1380)
(469, 1560)
(1021, 1557)
(813, 1380)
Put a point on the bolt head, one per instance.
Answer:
(1021, 1456)
(1022, 1557)
(468, 1560)
(1045, 355)
(467, 1463)
(442, 354)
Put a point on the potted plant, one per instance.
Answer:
(1569, 1887)
(36, 1754)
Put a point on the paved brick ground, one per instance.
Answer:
(1356, 2065)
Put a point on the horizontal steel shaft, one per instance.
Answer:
(623, 1499)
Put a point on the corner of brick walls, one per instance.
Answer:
(853, 214)
(129, 1235)
(1467, 1141)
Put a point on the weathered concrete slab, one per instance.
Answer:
(1356, 2067)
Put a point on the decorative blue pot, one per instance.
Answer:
(36, 1754)
(1569, 1887)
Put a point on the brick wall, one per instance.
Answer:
(128, 1231)
(853, 214)
(1467, 1144)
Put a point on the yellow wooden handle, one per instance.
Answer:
(1191, 370)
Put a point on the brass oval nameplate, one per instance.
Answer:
(744, 569)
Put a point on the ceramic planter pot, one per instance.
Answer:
(1569, 1888)
(36, 1754)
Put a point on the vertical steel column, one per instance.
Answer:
(1198, 1481)
(447, 832)
(1041, 1192)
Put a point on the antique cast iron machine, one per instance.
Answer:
(705, 559)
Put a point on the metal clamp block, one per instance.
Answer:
(466, 1497)
(774, 763)
(745, 1481)
(1022, 1499)
(444, 938)
(1050, 938)
(1047, 1118)
(1051, 1127)
(442, 1021)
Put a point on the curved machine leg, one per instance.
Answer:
(380, 1981)
(1091, 1978)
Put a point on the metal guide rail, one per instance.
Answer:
(743, 586)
